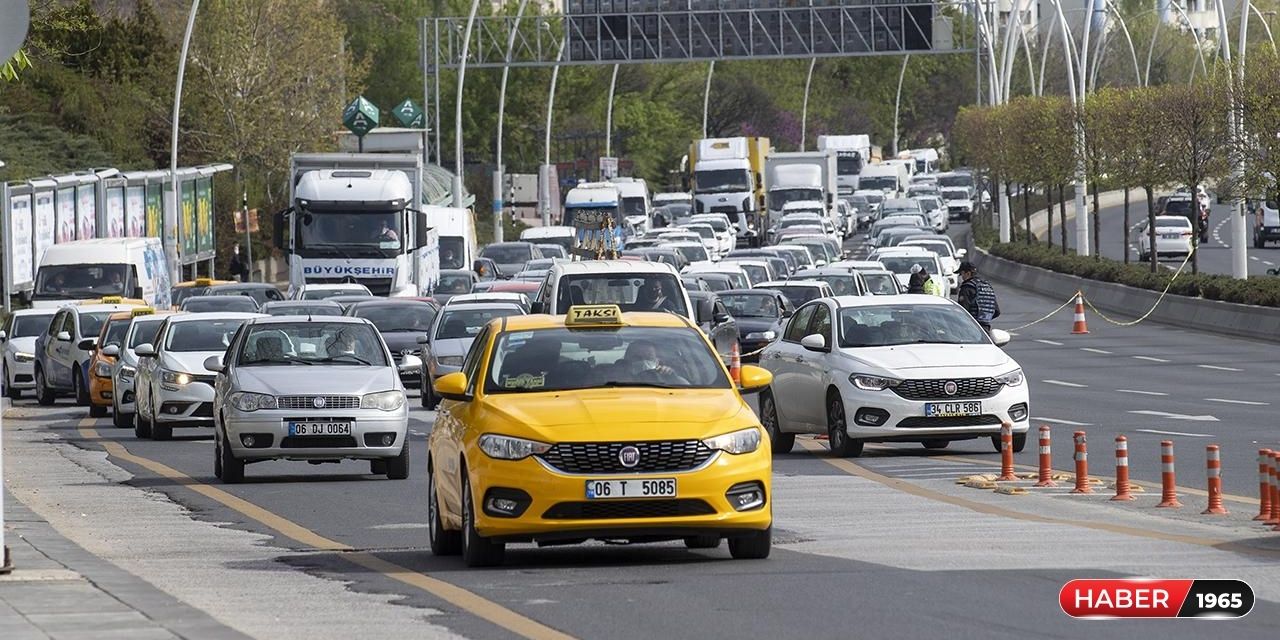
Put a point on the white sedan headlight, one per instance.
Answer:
(735, 442)
(508, 448)
(761, 335)
(175, 377)
(247, 401)
(127, 372)
(23, 357)
(383, 400)
(873, 383)
(1011, 379)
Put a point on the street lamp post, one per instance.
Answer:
(804, 110)
(897, 102)
(457, 109)
(171, 215)
(706, 96)
(546, 147)
(498, 208)
(608, 115)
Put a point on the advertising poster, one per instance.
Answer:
(204, 215)
(86, 212)
(155, 210)
(115, 212)
(46, 224)
(187, 220)
(135, 212)
(19, 249)
(66, 215)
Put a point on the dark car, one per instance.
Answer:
(401, 323)
(716, 282)
(760, 314)
(302, 308)
(454, 282)
(219, 304)
(261, 292)
(715, 321)
(844, 282)
(346, 301)
(781, 265)
(511, 256)
(487, 270)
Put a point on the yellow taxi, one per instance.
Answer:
(105, 353)
(184, 290)
(597, 424)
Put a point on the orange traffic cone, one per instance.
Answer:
(1079, 325)
(735, 364)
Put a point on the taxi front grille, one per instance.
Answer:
(602, 457)
(966, 388)
(623, 509)
(309, 402)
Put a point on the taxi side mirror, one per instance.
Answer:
(537, 306)
(754, 379)
(452, 386)
(87, 344)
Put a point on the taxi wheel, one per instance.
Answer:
(1019, 442)
(82, 391)
(753, 546)
(477, 551)
(443, 541)
(232, 467)
(97, 411)
(398, 467)
(837, 429)
(44, 395)
(781, 442)
(702, 542)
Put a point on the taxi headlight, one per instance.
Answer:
(247, 401)
(102, 370)
(175, 377)
(873, 383)
(508, 448)
(383, 400)
(449, 361)
(1011, 379)
(23, 357)
(736, 442)
(127, 372)
(761, 335)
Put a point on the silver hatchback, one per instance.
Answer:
(319, 389)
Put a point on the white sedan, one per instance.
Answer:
(1173, 237)
(909, 368)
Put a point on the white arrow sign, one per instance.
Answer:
(1176, 416)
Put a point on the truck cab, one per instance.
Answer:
(728, 177)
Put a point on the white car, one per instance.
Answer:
(906, 368)
(172, 387)
(799, 292)
(1173, 237)
(323, 291)
(935, 212)
(18, 344)
(694, 252)
(899, 260)
(492, 297)
(759, 270)
(738, 276)
(726, 233)
(707, 234)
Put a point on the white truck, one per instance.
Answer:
(457, 230)
(887, 178)
(636, 205)
(853, 152)
(803, 176)
(728, 177)
(352, 218)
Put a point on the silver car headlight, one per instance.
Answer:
(873, 383)
(508, 448)
(735, 442)
(127, 372)
(175, 377)
(761, 335)
(449, 361)
(102, 369)
(1011, 379)
(383, 400)
(248, 401)
(21, 356)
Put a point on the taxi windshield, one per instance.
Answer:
(567, 359)
(143, 333)
(115, 332)
(312, 343)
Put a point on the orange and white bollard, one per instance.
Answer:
(1264, 484)
(735, 364)
(1213, 460)
(1274, 474)
(1006, 453)
(1122, 470)
(1168, 482)
(1078, 324)
(1046, 459)
(1082, 464)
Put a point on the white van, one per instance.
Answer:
(564, 236)
(457, 230)
(630, 284)
(636, 205)
(87, 269)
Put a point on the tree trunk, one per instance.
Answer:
(1097, 243)
(1026, 210)
(1062, 216)
(1124, 237)
(1048, 214)
(1151, 227)
(1195, 229)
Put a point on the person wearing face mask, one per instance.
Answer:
(642, 357)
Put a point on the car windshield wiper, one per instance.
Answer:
(345, 356)
(634, 383)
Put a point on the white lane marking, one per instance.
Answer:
(1218, 368)
(1230, 401)
(1153, 359)
(1269, 263)
(1142, 393)
(1092, 350)
(1254, 258)
(1175, 416)
(1065, 384)
(1059, 344)
(1175, 433)
(418, 433)
(1069, 423)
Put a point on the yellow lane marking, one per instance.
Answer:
(453, 594)
(988, 509)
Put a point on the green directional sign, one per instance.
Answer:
(410, 115)
(360, 117)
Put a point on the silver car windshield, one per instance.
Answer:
(312, 343)
(143, 333)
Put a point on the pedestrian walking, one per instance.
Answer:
(239, 269)
(977, 296)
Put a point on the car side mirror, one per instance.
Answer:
(25, 297)
(214, 364)
(63, 336)
(703, 311)
(145, 350)
(423, 339)
(452, 386)
(721, 318)
(537, 306)
(814, 342)
(86, 344)
(754, 379)
(111, 350)
(3, 336)
(137, 293)
(1000, 337)
(421, 236)
(960, 253)
(787, 313)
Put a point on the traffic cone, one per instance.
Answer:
(1079, 325)
(735, 364)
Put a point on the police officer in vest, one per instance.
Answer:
(977, 296)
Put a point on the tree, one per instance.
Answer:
(1117, 118)
(1195, 117)
(1150, 145)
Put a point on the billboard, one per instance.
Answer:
(135, 211)
(86, 212)
(204, 216)
(20, 265)
(155, 210)
(187, 220)
(115, 212)
(46, 223)
(66, 215)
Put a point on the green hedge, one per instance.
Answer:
(1258, 290)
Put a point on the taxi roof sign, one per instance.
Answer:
(593, 315)
(203, 282)
(142, 311)
(112, 299)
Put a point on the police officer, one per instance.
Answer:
(977, 296)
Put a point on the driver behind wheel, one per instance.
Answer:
(642, 357)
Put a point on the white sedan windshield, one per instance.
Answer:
(908, 324)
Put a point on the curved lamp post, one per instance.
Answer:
(457, 109)
(804, 110)
(706, 96)
(171, 216)
(498, 207)
(608, 115)
(546, 147)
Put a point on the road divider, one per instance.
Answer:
(1082, 464)
(1045, 472)
(1168, 481)
(1122, 470)
(1006, 453)
(1213, 462)
(1264, 485)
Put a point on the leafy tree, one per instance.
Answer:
(1195, 118)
